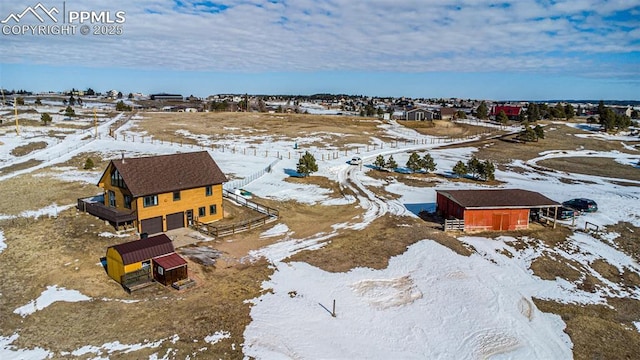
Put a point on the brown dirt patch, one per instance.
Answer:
(19, 166)
(597, 331)
(607, 270)
(28, 192)
(549, 268)
(629, 239)
(374, 246)
(28, 148)
(593, 166)
(336, 130)
(557, 137)
(446, 128)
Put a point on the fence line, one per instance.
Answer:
(320, 154)
(237, 184)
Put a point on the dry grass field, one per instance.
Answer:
(66, 249)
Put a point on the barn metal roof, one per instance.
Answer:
(167, 173)
(144, 249)
(498, 198)
(170, 262)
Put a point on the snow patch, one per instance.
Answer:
(278, 230)
(48, 297)
(217, 336)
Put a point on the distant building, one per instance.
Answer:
(512, 111)
(166, 97)
(447, 113)
(419, 114)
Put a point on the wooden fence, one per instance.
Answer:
(268, 215)
(454, 225)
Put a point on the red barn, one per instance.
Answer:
(511, 111)
(498, 209)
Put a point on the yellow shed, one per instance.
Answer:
(130, 262)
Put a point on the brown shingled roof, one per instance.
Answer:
(167, 173)
(498, 198)
(144, 249)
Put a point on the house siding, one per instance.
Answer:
(105, 183)
(116, 267)
(190, 199)
(496, 219)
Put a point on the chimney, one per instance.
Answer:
(122, 157)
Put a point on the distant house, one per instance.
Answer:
(419, 114)
(166, 97)
(500, 209)
(161, 193)
(139, 261)
(447, 113)
(512, 111)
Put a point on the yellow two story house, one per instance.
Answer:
(161, 193)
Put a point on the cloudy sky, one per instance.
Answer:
(529, 49)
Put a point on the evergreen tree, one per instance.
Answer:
(38, 102)
(460, 169)
(569, 112)
(69, 112)
(130, 96)
(539, 131)
(413, 163)
(19, 101)
(482, 112)
(121, 106)
(391, 163)
(88, 165)
(72, 100)
(90, 92)
(379, 163)
(558, 111)
(601, 108)
(428, 163)
(119, 95)
(307, 164)
(528, 134)
(473, 167)
(502, 117)
(45, 118)
(533, 114)
(488, 171)
(460, 115)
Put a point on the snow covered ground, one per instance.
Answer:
(428, 303)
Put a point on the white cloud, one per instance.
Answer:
(381, 35)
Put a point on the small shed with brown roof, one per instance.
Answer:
(496, 209)
(132, 262)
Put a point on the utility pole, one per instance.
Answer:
(15, 109)
(95, 121)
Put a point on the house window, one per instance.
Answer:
(208, 190)
(116, 179)
(202, 212)
(151, 200)
(112, 199)
(213, 209)
(160, 270)
(127, 201)
(146, 263)
(176, 195)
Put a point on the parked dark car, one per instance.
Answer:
(566, 213)
(582, 205)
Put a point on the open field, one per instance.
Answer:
(357, 224)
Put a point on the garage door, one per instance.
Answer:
(152, 226)
(175, 221)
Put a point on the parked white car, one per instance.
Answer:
(355, 161)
